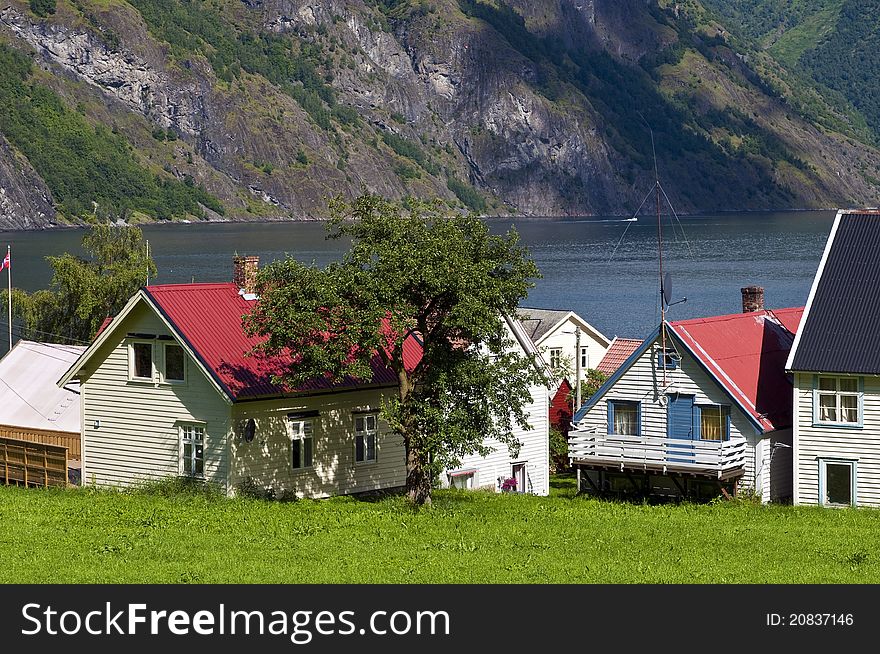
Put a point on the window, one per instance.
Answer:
(140, 360)
(555, 357)
(175, 363)
(668, 359)
(192, 449)
(365, 438)
(837, 400)
(585, 358)
(837, 482)
(301, 443)
(624, 418)
(463, 479)
(714, 423)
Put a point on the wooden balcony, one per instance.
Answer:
(716, 459)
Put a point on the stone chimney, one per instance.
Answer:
(753, 298)
(244, 273)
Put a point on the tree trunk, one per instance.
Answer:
(418, 480)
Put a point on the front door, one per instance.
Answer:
(680, 428)
(518, 472)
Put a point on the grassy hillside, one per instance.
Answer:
(88, 536)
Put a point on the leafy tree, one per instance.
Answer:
(43, 8)
(411, 269)
(84, 291)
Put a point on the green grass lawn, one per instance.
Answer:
(99, 536)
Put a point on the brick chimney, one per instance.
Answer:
(244, 273)
(753, 298)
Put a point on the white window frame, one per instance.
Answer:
(585, 358)
(185, 466)
(131, 361)
(470, 475)
(858, 394)
(301, 430)
(823, 480)
(365, 434)
(165, 378)
(555, 353)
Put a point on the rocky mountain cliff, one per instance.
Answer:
(264, 108)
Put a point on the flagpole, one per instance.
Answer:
(9, 295)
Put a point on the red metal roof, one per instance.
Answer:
(618, 352)
(104, 325)
(746, 353)
(208, 317)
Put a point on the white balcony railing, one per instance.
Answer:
(723, 458)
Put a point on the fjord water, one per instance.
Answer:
(709, 261)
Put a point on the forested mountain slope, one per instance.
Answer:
(835, 43)
(264, 108)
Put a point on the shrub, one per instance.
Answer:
(179, 487)
(558, 451)
(249, 488)
(43, 7)
(467, 194)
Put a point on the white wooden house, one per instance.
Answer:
(835, 364)
(702, 405)
(567, 342)
(167, 390)
(529, 468)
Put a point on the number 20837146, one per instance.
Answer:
(810, 619)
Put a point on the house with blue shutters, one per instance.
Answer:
(835, 365)
(702, 407)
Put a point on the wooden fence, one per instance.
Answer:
(32, 464)
(47, 437)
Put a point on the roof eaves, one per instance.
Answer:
(789, 363)
(100, 339)
(715, 375)
(621, 369)
(209, 372)
(529, 347)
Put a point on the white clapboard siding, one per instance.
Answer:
(534, 451)
(267, 458)
(643, 383)
(781, 467)
(860, 444)
(130, 429)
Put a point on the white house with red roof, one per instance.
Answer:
(168, 389)
(702, 406)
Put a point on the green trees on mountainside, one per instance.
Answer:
(91, 171)
(835, 43)
(628, 100)
(291, 64)
(848, 60)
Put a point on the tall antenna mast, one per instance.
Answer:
(660, 259)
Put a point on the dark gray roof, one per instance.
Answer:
(538, 322)
(841, 329)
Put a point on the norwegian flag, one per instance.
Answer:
(5, 263)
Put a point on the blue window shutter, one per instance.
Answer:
(610, 417)
(680, 416)
(697, 428)
(727, 426)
